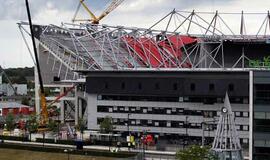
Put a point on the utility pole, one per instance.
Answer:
(187, 138)
(129, 142)
(203, 128)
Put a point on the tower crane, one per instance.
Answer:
(93, 18)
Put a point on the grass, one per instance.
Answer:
(12, 154)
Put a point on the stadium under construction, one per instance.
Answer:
(169, 80)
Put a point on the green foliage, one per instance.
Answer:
(195, 152)
(81, 125)
(18, 75)
(25, 101)
(14, 138)
(32, 124)
(10, 122)
(106, 126)
(52, 126)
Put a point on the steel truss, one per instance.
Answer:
(103, 47)
(180, 40)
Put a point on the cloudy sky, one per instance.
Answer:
(139, 13)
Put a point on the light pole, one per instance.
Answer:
(187, 138)
(129, 142)
(203, 128)
(68, 152)
(204, 123)
(58, 125)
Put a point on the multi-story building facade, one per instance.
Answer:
(168, 104)
(261, 113)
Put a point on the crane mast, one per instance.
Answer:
(44, 113)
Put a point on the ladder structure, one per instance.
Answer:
(226, 144)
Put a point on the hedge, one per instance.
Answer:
(14, 138)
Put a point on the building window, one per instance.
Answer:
(259, 115)
(157, 86)
(181, 99)
(211, 87)
(237, 114)
(123, 85)
(168, 124)
(110, 109)
(192, 87)
(175, 87)
(99, 97)
(231, 87)
(126, 109)
(245, 128)
(133, 122)
(245, 114)
(245, 140)
(267, 115)
(133, 109)
(145, 110)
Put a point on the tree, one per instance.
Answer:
(52, 126)
(195, 152)
(32, 124)
(25, 101)
(81, 126)
(10, 122)
(106, 126)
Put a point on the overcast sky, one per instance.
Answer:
(139, 13)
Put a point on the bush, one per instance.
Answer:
(67, 142)
(14, 138)
(45, 140)
(195, 152)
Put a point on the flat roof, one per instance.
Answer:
(12, 105)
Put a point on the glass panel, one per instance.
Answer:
(267, 115)
(267, 143)
(110, 110)
(259, 142)
(245, 114)
(237, 114)
(259, 115)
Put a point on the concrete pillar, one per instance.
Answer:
(250, 115)
(37, 98)
(76, 106)
(91, 111)
(62, 107)
(80, 107)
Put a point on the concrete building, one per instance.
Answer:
(167, 103)
(8, 90)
